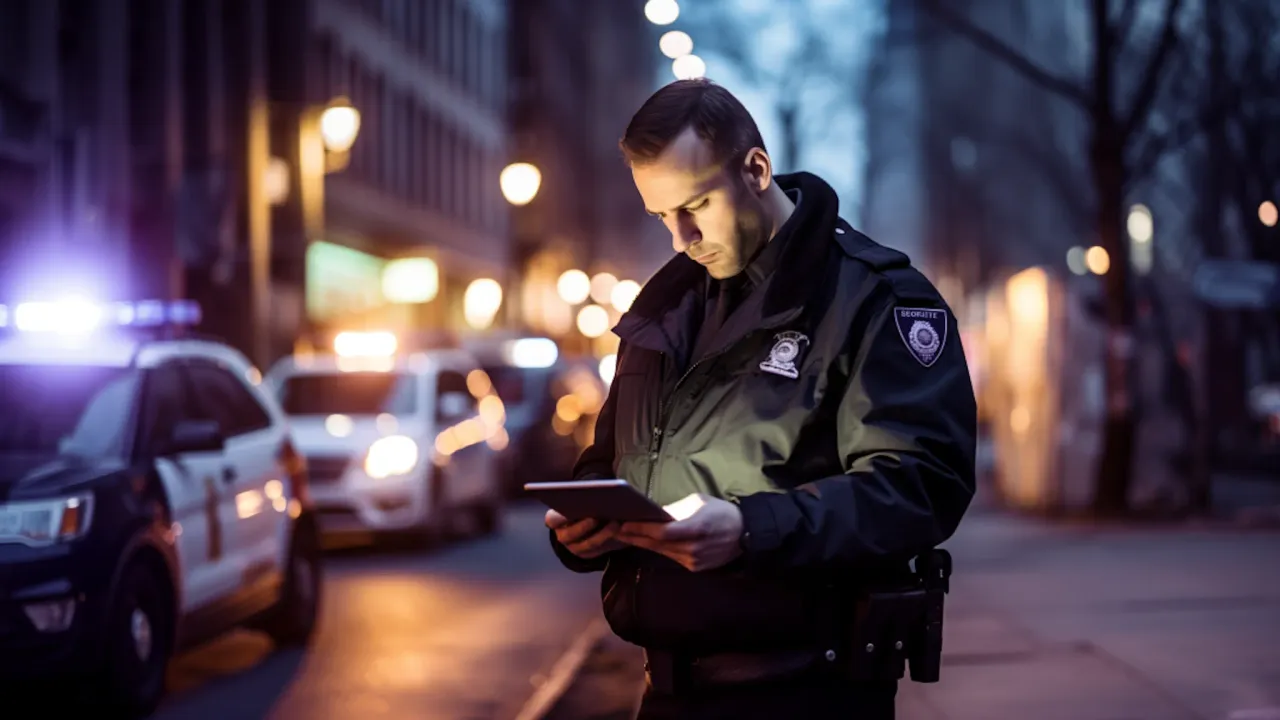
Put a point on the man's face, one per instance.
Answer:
(714, 212)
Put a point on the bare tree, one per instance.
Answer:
(1127, 138)
(797, 71)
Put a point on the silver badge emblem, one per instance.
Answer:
(924, 330)
(786, 350)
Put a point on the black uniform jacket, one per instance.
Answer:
(834, 406)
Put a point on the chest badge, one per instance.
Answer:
(924, 330)
(787, 347)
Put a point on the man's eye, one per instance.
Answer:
(699, 206)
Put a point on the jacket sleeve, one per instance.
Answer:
(907, 434)
(595, 463)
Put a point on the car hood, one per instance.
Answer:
(34, 477)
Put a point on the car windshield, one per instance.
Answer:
(350, 394)
(74, 410)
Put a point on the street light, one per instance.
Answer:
(520, 182)
(602, 287)
(675, 44)
(1268, 213)
(481, 302)
(662, 12)
(1141, 229)
(624, 293)
(1097, 260)
(593, 321)
(339, 125)
(1075, 261)
(688, 67)
(574, 286)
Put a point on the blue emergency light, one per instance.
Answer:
(80, 317)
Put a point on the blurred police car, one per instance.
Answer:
(149, 499)
(551, 402)
(396, 442)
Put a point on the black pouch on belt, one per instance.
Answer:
(892, 628)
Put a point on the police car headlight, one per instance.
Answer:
(390, 456)
(46, 521)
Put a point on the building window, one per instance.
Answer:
(406, 147)
(445, 165)
(378, 124)
(426, 28)
(429, 156)
(444, 37)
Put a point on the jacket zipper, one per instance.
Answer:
(660, 429)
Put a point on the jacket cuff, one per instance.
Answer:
(575, 563)
(759, 524)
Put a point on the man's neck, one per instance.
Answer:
(779, 207)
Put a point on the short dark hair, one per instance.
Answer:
(714, 113)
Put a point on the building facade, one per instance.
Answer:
(421, 181)
(578, 72)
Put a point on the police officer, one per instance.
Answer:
(801, 392)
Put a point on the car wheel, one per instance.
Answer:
(139, 641)
(292, 621)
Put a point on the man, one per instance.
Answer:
(802, 393)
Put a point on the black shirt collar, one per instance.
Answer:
(760, 267)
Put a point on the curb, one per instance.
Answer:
(563, 672)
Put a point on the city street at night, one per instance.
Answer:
(468, 630)
(639, 359)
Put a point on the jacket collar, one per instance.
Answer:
(659, 317)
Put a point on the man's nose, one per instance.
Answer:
(684, 233)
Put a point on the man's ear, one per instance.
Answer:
(757, 170)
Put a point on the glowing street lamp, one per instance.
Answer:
(573, 286)
(339, 125)
(1098, 260)
(520, 182)
(688, 67)
(1268, 214)
(481, 302)
(675, 44)
(593, 321)
(1142, 229)
(662, 12)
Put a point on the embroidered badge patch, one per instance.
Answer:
(787, 347)
(924, 330)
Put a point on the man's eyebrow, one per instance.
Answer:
(685, 204)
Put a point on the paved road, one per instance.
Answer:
(463, 632)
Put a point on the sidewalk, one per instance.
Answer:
(1085, 622)
(1074, 622)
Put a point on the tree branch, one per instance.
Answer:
(1119, 30)
(1067, 185)
(1182, 133)
(1156, 63)
(1002, 51)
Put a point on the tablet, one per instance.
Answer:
(599, 499)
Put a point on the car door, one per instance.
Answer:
(202, 507)
(253, 470)
(470, 471)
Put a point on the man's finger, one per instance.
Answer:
(640, 541)
(682, 531)
(555, 520)
(576, 531)
(656, 531)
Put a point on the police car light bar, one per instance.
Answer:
(77, 317)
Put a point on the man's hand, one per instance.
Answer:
(705, 539)
(585, 538)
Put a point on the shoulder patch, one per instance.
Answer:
(923, 331)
